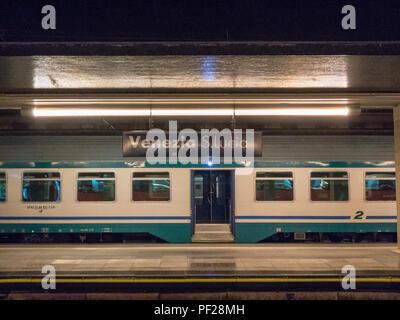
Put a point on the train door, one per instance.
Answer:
(212, 198)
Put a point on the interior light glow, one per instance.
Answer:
(192, 112)
(328, 111)
(89, 112)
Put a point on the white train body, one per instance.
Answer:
(173, 220)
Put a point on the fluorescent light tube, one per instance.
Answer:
(328, 111)
(88, 112)
(192, 112)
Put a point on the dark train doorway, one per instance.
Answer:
(212, 196)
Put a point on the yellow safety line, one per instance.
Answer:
(199, 280)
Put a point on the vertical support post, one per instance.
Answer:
(396, 120)
(192, 202)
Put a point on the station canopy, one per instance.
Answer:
(260, 69)
(198, 74)
(258, 48)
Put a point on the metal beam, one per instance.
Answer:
(158, 48)
(367, 100)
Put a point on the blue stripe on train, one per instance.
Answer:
(188, 217)
(295, 217)
(381, 217)
(96, 218)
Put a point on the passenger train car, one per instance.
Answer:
(76, 187)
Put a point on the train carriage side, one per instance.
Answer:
(334, 201)
(273, 198)
(130, 205)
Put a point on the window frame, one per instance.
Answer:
(151, 201)
(42, 179)
(86, 179)
(334, 201)
(365, 189)
(273, 201)
(6, 180)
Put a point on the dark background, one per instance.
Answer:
(199, 20)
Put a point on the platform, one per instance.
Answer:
(217, 268)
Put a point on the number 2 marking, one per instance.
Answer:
(359, 215)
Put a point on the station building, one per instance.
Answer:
(78, 98)
(315, 176)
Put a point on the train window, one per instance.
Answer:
(274, 186)
(380, 186)
(198, 188)
(3, 186)
(96, 186)
(41, 187)
(150, 186)
(329, 186)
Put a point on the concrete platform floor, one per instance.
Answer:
(202, 259)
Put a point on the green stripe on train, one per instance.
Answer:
(248, 232)
(181, 232)
(171, 232)
(130, 163)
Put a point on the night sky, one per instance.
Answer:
(234, 20)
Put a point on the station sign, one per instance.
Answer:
(136, 144)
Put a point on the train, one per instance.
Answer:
(270, 201)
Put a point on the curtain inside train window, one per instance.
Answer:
(380, 186)
(41, 187)
(96, 186)
(150, 186)
(3, 186)
(329, 186)
(274, 186)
